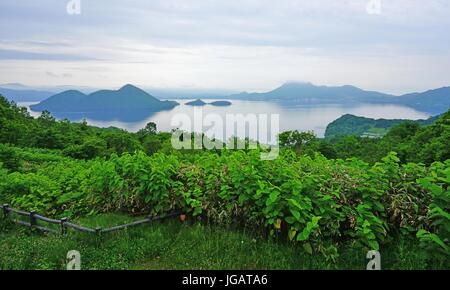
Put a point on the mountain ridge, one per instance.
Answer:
(434, 101)
(25, 95)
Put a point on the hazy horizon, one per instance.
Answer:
(400, 47)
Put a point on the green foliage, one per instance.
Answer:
(151, 144)
(77, 140)
(30, 191)
(436, 233)
(177, 246)
(317, 202)
(9, 158)
(296, 140)
(366, 197)
(358, 126)
(150, 129)
(413, 143)
(91, 147)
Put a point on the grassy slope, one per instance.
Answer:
(173, 245)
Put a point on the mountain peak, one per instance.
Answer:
(128, 87)
(131, 90)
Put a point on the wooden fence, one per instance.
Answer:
(65, 224)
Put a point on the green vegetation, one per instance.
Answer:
(305, 203)
(77, 140)
(411, 141)
(175, 245)
(358, 126)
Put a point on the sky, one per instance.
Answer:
(394, 46)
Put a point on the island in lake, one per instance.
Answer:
(197, 103)
(221, 103)
(200, 103)
(128, 98)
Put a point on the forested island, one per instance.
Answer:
(128, 97)
(201, 103)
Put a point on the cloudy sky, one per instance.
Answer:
(252, 45)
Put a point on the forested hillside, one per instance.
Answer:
(320, 196)
(410, 140)
(361, 126)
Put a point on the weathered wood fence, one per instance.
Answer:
(65, 224)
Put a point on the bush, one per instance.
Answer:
(9, 158)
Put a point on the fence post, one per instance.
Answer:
(63, 226)
(32, 219)
(5, 210)
(98, 231)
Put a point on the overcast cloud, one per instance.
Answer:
(252, 45)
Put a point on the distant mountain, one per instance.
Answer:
(366, 127)
(53, 89)
(433, 102)
(128, 97)
(309, 93)
(160, 93)
(16, 86)
(23, 95)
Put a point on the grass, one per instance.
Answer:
(174, 245)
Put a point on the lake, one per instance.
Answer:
(302, 118)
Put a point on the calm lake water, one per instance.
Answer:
(302, 118)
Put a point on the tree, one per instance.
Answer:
(49, 138)
(296, 140)
(91, 147)
(121, 141)
(151, 144)
(403, 130)
(327, 150)
(46, 117)
(149, 129)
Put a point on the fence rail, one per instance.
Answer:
(65, 224)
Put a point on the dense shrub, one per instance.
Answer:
(315, 201)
